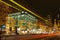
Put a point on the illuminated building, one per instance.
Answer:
(42, 26)
(22, 20)
(5, 10)
(58, 22)
(55, 25)
(49, 24)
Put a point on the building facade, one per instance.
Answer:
(23, 21)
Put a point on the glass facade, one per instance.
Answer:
(20, 23)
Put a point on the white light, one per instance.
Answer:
(19, 16)
(18, 29)
(22, 15)
(25, 12)
(22, 11)
(23, 32)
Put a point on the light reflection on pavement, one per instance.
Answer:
(32, 36)
(44, 36)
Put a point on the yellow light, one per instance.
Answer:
(10, 5)
(26, 9)
(21, 7)
(0, 0)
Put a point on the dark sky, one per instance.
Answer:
(42, 7)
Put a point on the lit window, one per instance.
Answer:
(22, 15)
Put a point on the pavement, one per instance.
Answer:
(52, 36)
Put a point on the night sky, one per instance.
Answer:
(42, 7)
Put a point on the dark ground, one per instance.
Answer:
(49, 38)
(19, 38)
